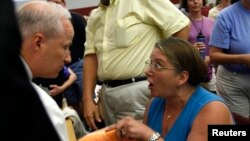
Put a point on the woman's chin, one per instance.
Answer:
(154, 94)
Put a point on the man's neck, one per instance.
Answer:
(195, 16)
(246, 4)
(105, 2)
(224, 4)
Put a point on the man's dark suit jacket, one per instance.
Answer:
(22, 115)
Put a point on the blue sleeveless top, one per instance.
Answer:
(183, 123)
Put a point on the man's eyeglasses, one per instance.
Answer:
(154, 66)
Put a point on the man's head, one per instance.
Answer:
(47, 34)
(61, 2)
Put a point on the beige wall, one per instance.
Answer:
(71, 4)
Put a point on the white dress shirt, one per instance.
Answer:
(54, 112)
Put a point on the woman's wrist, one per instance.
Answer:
(154, 137)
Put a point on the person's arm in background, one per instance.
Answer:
(55, 89)
(91, 111)
(217, 56)
(183, 33)
(90, 66)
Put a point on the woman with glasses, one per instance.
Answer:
(181, 109)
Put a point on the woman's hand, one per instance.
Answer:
(129, 128)
(199, 46)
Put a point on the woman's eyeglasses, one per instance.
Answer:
(154, 66)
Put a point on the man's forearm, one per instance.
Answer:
(90, 75)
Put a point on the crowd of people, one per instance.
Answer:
(161, 70)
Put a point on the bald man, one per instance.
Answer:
(47, 35)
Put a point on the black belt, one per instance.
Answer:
(115, 83)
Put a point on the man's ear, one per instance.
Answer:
(38, 39)
(183, 78)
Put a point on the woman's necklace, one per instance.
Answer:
(199, 30)
(170, 116)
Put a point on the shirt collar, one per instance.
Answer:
(27, 68)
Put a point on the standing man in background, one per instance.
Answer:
(120, 36)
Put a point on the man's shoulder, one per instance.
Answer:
(230, 10)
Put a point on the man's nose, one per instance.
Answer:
(67, 58)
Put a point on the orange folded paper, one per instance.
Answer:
(102, 135)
